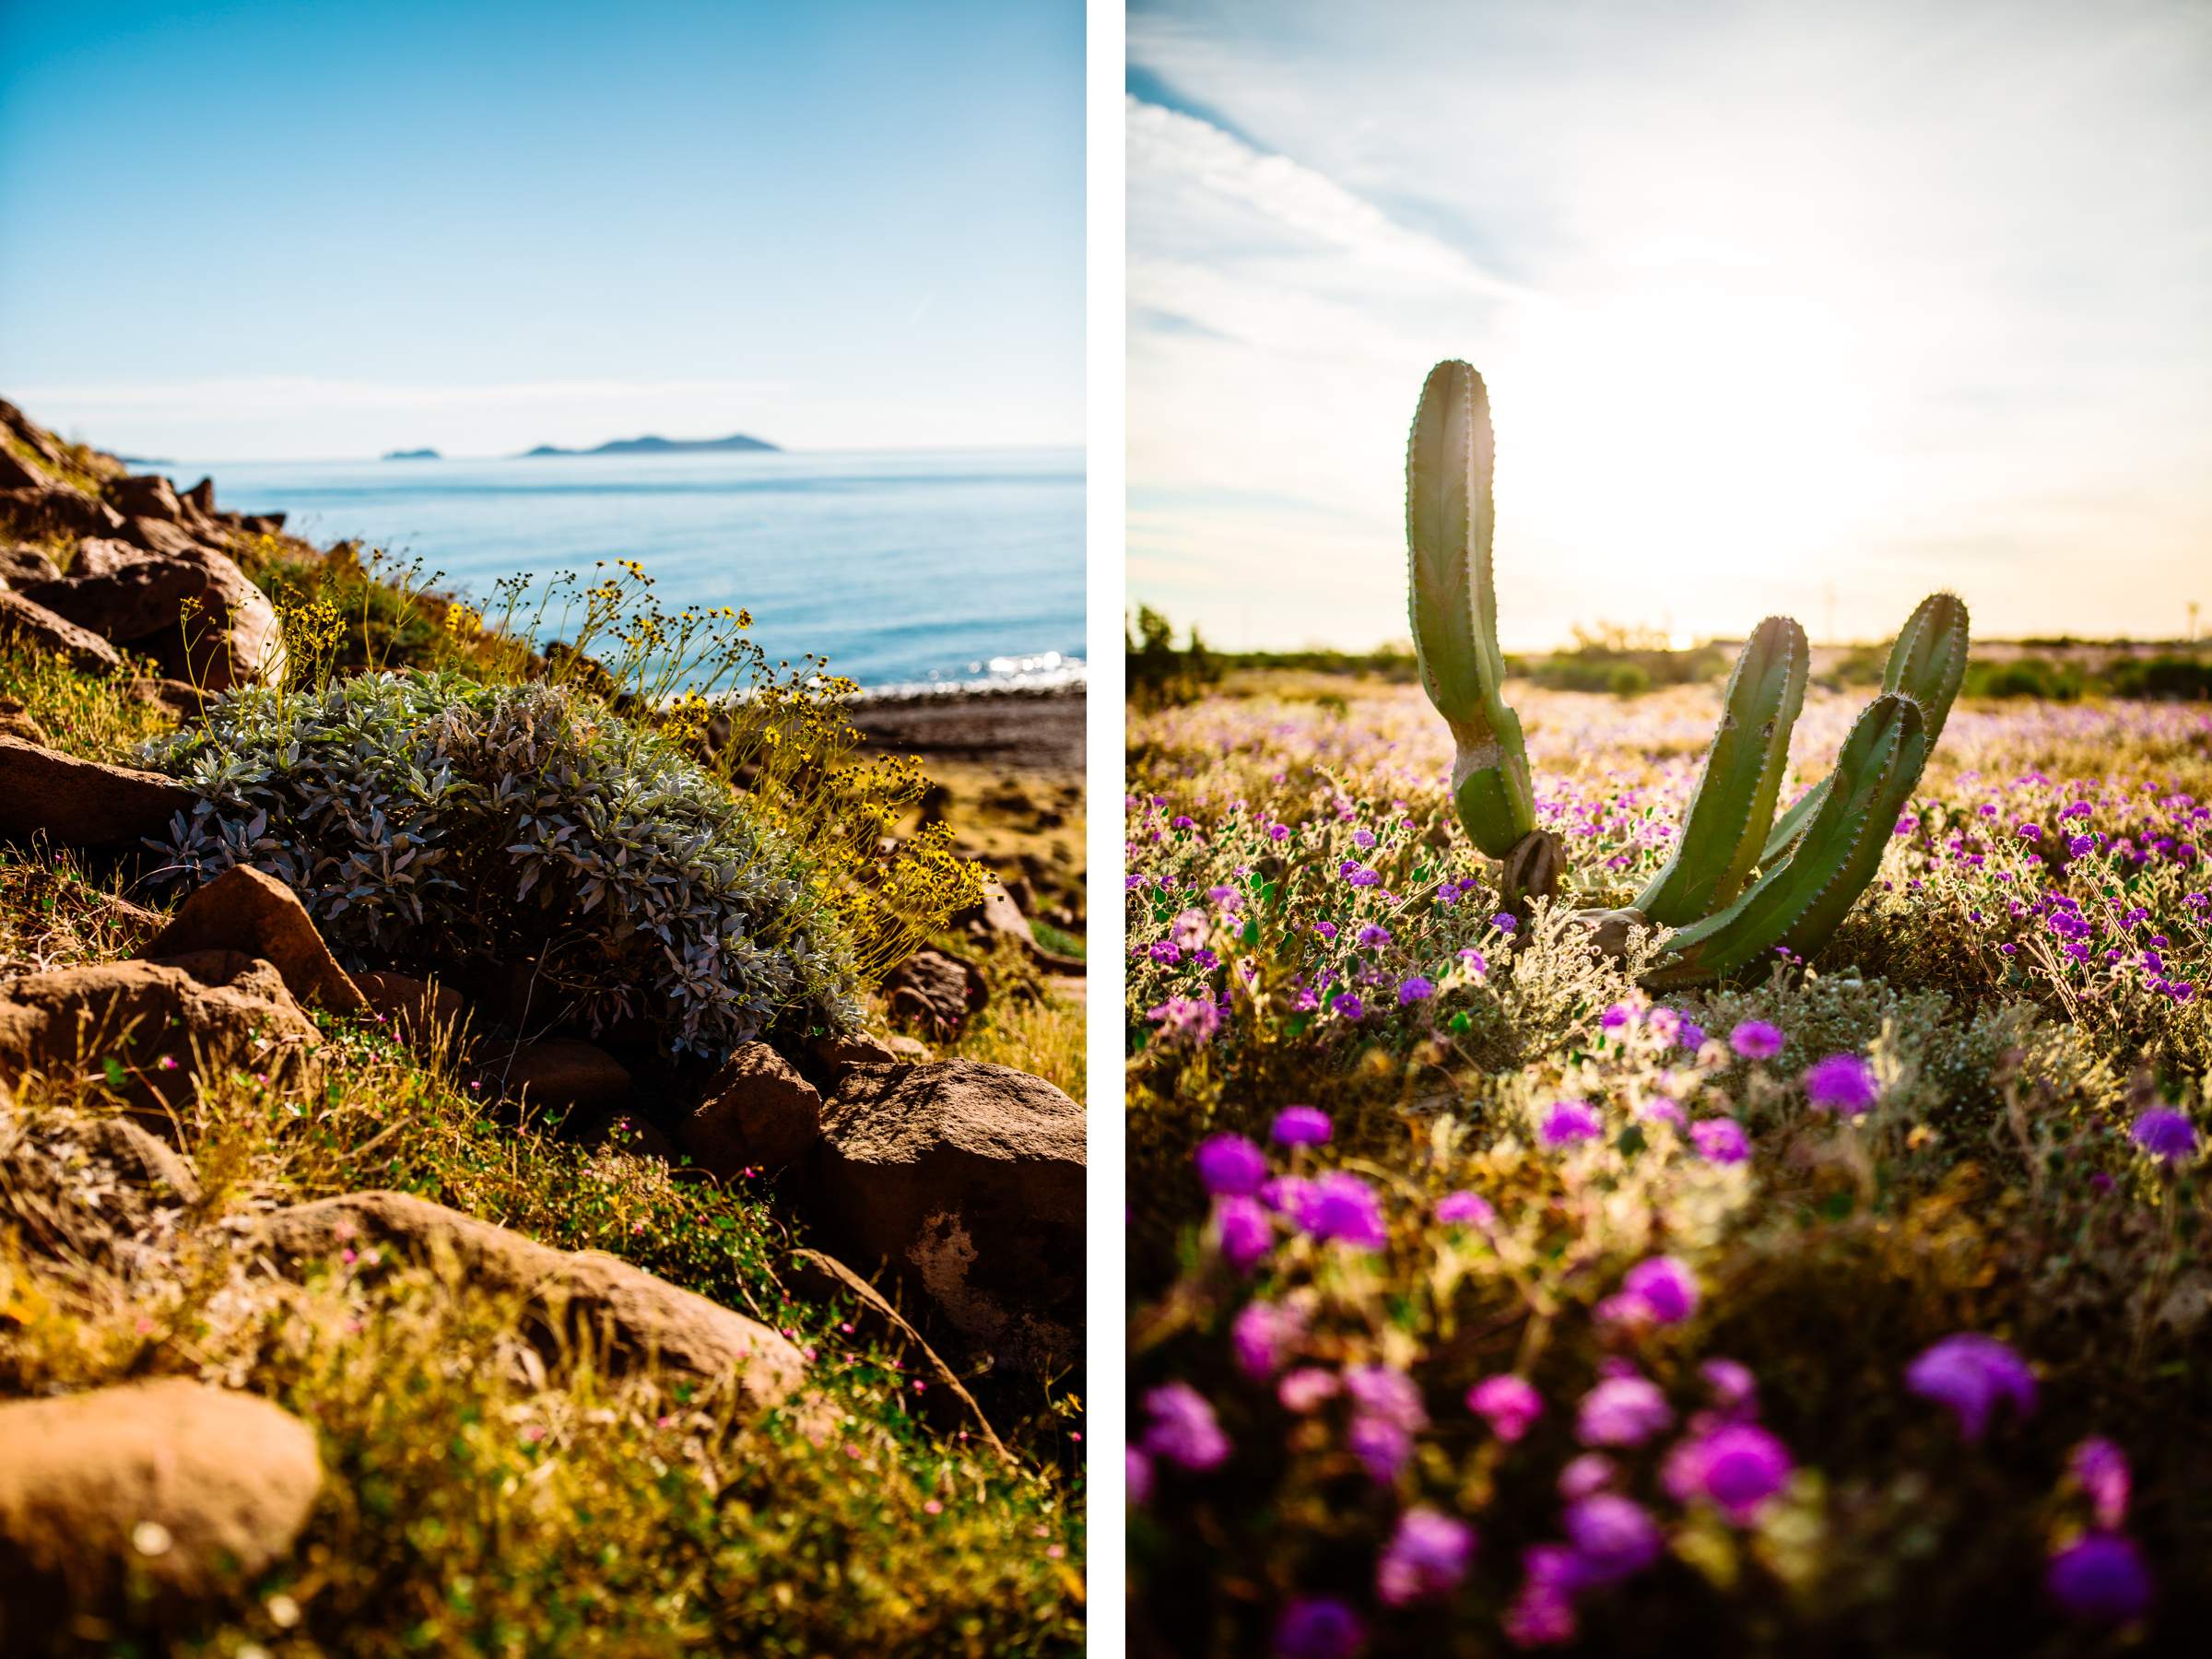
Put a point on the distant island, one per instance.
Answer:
(144, 460)
(659, 446)
(420, 454)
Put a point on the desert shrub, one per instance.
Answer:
(2184, 679)
(1161, 675)
(433, 822)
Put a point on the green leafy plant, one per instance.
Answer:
(430, 821)
(1742, 884)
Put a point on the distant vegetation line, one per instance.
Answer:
(1627, 661)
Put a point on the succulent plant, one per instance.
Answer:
(1741, 883)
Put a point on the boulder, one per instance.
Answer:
(83, 1185)
(180, 698)
(146, 495)
(247, 911)
(414, 1008)
(58, 509)
(151, 1030)
(82, 803)
(170, 1487)
(22, 565)
(162, 536)
(16, 473)
(17, 721)
(997, 917)
(200, 498)
(935, 988)
(835, 1057)
(635, 1314)
(968, 1180)
(757, 1112)
(192, 611)
(24, 622)
(261, 523)
(557, 1074)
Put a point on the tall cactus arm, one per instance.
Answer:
(1449, 520)
(1927, 663)
(1725, 828)
(1800, 902)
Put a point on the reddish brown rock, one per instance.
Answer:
(638, 1315)
(190, 609)
(158, 1024)
(146, 495)
(23, 622)
(417, 1009)
(936, 990)
(82, 803)
(557, 1074)
(58, 509)
(968, 1179)
(16, 473)
(23, 565)
(194, 1491)
(757, 1112)
(252, 913)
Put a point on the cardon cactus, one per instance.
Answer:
(1741, 884)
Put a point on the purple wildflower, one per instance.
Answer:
(1137, 1476)
(2102, 1468)
(1841, 1083)
(1263, 1335)
(1722, 1140)
(1615, 1017)
(1383, 1391)
(2165, 1133)
(1542, 1615)
(1509, 1403)
(1186, 1019)
(1243, 1230)
(1183, 1430)
(1622, 1411)
(1415, 989)
(1614, 1537)
(1230, 1164)
(1427, 1557)
(1734, 1389)
(1342, 1207)
(1666, 1287)
(1318, 1626)
(2100, 1578)
(1970, 1372)
(1465, 1209)
(1505, 922)
(1301, 1127)
(1661, 1109)
(1303, 1390)
(1569, 1121)
(1737, 1467)
(1372, 936)
(1348, 1007)
(1691, 1036)
(1590, 1473)
(1756, 1040)
(1381, 1445)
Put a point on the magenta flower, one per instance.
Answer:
(1427, 1557)
(1756, 1040)
(1263, 1337)
(1374, 937)
(1382, 1446)
(1318, 1626)
(1691, 1036)
(1665, 1288)
(1591, 1472)
(1622, 1411)
(2100, 1579)
(1348, 1007)
(1614, 1537)
(1184, 1428)
(1569, 1121)
(1301, 1127)
(1721, 1140)
(1509, 1403)
(1342, 1207)
(1243, 1230)
(1189, 1020)
(1661, 1109)
(1303, 1390)
(2102, 1468)
(1465, 1209)
(1734, 1389)
(1615, 1017)
(1383, 1391)
(1970, 1373)
(1737, 1467)
(2165, 1133)
(1277, 832)
(1841, 1083)
(1137, 1476)
(1230, 1164)
(1542, 1614)
(1414, 989)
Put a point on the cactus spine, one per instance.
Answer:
(1810, 866)
(1449, 517)
(1927, 663)
(1725, 826)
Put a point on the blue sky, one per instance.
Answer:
(1781, 307)
(281, 229)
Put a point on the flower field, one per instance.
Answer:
(1483, 1302)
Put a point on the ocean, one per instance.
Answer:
(905, 569)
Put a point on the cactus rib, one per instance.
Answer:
(1800, 902)
(1448, 521)
(1927, 663)
(1725, 826)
